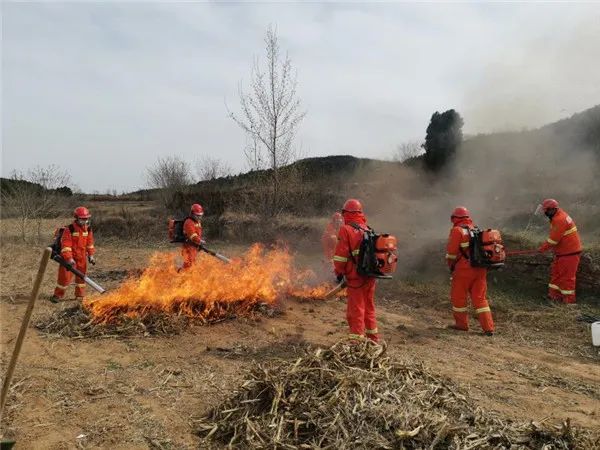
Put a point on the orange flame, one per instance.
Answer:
(210, 290)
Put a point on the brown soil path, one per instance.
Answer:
(145, 392)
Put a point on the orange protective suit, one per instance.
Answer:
(329, 240)
(360, 309)
(564, 240)
(466, 280)
(192, 230)
(77, 243)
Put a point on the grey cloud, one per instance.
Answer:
(113, 86)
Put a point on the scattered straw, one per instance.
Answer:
(77, 322)
(355, 397)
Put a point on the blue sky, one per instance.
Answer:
(103, 89)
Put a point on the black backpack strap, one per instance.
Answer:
(462, 253)
(72, 228)
(356, 227)
(366, 229)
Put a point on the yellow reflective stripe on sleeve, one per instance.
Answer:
(482, 310)
(464, 244)
(340, 258)
(355, 252)
(551, 242)
(90, 246)
(61, 287)
(567, 292)
(75, 233)
(553, 286)
(449, 256)
(455, 309)
(193, 235)
(85, 233)
(66, 249)
(373, 331)
(572, 230)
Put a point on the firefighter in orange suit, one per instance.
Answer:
(329, 236)
(466, 280)
(360, 309)
(192, 230)
(564, 241)
(77, 248)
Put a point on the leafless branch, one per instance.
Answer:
(270, 112)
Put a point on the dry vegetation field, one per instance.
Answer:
(141, 391)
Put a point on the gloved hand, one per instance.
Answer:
(91, 260)
(339, 278)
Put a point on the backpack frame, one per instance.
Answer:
(484, 254)
(56, 245)
(366, 261)
(176, 234)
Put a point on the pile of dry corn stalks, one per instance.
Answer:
(349, 397)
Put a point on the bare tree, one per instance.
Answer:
(209, 168)
(172, 178)
(32, 196)
(407, 150)
(254, 154)
(270, 112)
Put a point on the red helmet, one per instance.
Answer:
(549, 203)
(197, 210)
(460, 212)
(81, 212)
(352, 205)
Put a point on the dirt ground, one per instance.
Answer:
(148, 392)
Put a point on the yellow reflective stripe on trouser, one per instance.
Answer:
(562, 291)
(572, 230)
(482, 310)
(464, 244)
(355, 336)
(61, 287)
(373, 331)
(455, 309)
(551, 242)
(66, 249)
(90, 246)
(449, 256)
(340, 258)
(80, 285)
(355, 252)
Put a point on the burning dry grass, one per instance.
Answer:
(164, 300)
(207, 291)
(356, 397)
